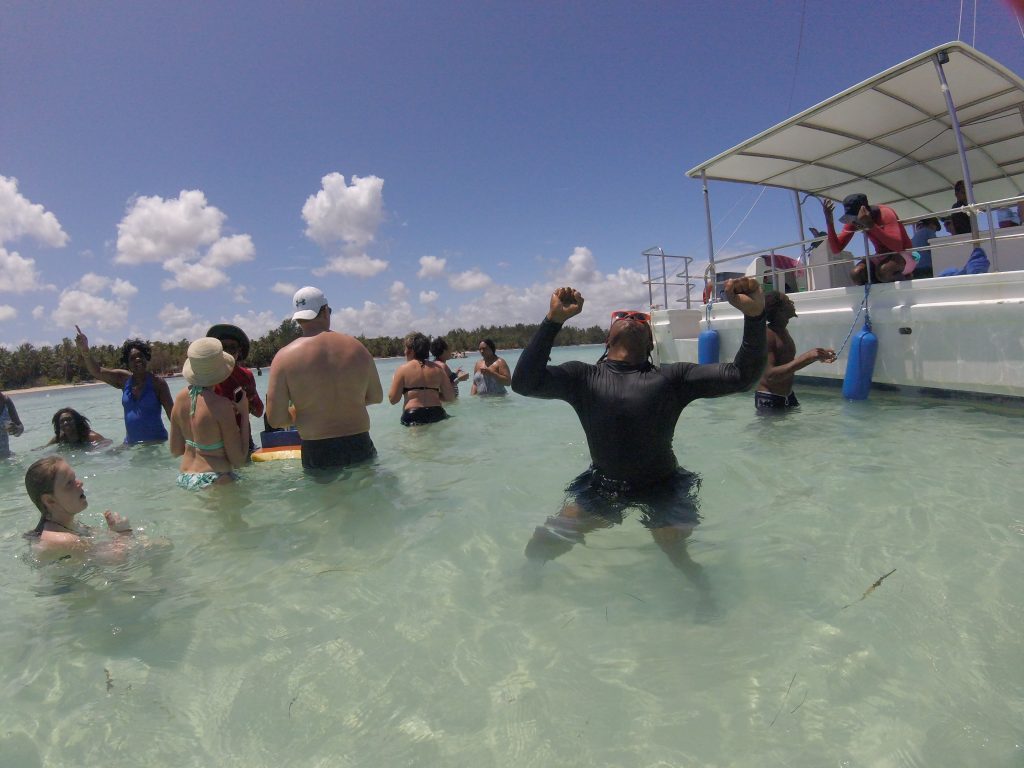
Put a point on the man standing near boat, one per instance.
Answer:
(882, 226)
(322, 382)
(628, 408)
(775, 390)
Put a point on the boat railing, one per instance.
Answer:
(660, 258)
(803, 248)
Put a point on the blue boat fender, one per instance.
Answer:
(708, 345)
(860, 366)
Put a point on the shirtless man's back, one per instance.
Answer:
(328, 379)
(775, 390)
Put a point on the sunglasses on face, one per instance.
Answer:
(629, 314)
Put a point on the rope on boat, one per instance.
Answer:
(867, 318)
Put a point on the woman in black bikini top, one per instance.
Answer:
(423, 384)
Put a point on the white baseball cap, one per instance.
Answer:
(308, 302)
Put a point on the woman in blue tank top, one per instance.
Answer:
(143, 395)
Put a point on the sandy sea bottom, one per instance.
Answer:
(389, 618)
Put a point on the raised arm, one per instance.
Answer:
(115, 377)
(836, 243)
(533, 377)
(719, 379)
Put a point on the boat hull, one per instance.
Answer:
(959, 335)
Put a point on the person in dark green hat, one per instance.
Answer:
(241, 380)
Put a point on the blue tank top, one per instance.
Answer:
(142, 422)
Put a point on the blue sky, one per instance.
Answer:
(165, 166)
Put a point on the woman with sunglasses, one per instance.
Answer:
(628, 408)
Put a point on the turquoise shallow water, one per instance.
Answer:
(387, 618)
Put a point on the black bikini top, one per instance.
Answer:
(407, 390)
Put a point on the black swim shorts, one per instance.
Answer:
(425, 415)
(769, 401)
(668, 503)
(337, 452)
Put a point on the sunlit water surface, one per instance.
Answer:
(387, 619)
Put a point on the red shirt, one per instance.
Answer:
(888, 236)
(241, 377)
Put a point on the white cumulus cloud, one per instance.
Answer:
(431, 266)
(38, 312)
(285, 289)
(470, 280)
(18, 274)
(78, 307)
(345, 213)
(19, 217)
(82, 304)
(154, 229)
(192, 276)
(184, 235)
(428, 297)
(180, 323)
(358, 266)
(7, 312)
(398, 291)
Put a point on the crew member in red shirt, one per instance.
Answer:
(892, 260)
(236, 344)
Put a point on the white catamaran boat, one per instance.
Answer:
(903, 138)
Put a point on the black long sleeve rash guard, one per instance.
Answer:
(629, 412)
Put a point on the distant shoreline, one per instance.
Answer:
(51, 388)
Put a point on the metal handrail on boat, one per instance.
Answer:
(991, 237)
(663, 279)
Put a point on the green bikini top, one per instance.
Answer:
(193, 395)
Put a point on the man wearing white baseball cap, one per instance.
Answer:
(327, 379)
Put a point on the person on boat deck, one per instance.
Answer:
(959, 223)
(892, 260)
(204, 430)
(490, 374)
(241, 381)
(775, 390)
(329, 378)
(72, 428)
(58, 494)
(628, 408)
(10, 424)
(924, 230)
(439, 350)
(423, 383)
(142, 393)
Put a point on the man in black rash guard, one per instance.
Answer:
(628, 409)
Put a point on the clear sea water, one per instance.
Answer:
(387, 619)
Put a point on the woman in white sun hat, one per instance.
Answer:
(204, 431)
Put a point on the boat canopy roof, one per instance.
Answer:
(891, 138)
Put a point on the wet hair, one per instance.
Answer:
(81, 424)
(419, 344)
(39, 479)
(774, 302)
(138, 344)
(490, 344)
(438, 346)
